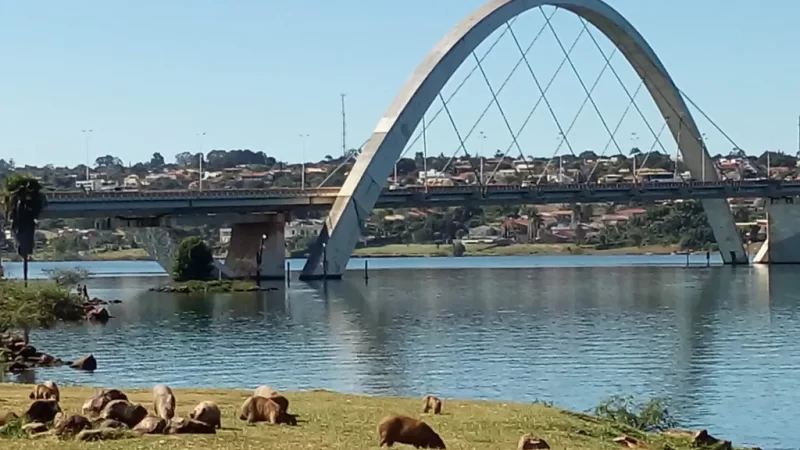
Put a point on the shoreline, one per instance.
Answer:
(331, 420)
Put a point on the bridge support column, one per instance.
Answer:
(729, 240)
(159, 242)
(246, 240)
(783, 233)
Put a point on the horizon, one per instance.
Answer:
(216, 69)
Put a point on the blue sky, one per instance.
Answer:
(148, 75)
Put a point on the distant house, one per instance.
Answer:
(303, 228)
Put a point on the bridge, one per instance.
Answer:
(363, 189)
(147, 206)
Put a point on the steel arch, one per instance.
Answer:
(372, 168)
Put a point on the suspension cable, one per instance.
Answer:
(458, 134)
(539, 101)
(499, 90)
(499, 106)
(580, 80)
(617, 127)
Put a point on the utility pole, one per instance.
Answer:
(425, 152)
(677, 150)
(200, 137)
(344, 128)
(86, 134)
(480, 157)
(303, 164)
(798, 136)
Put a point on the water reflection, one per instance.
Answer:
(721, 343)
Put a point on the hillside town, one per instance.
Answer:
(598, 224)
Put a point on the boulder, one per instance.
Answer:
(125, 412)
(627, 441)
(87, 363)
(98, 314)
(70, 424)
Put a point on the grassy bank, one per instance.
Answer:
(209, 287)
(130, 254)
(336, 421)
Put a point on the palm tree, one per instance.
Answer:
(23, 201)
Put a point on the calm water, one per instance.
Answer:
(722, 344)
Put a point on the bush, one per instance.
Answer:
(67, 277)
(652, 415)
(193, 260)
(40, 305)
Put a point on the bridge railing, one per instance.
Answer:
(60, 196)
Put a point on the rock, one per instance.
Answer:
(27, 352)
(528, 442)
(87, 363)
(98, 314)
(115, 302)
(17, 367)
(34, 427)
(95, 405)
(627, 441)
(100, 434)
(703, 439)
(151, 425)
(182, 425)
(42, 411)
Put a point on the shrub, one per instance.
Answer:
(652, 415)
(193, 260)
(39, 305)
(67, 277)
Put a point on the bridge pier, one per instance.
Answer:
(783, 233)
(246, 241)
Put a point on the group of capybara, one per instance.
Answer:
(108, 411)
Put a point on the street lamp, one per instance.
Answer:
(259, 258)
(86, 140)
(303, 164)
(200, 137)
(480, 157)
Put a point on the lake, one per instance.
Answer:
(721, 343)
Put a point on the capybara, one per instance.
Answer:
(122, 411)
(528, 442)
(42, 411)
(45, 391)
(265, 391)
(95, 405)
(261, 409)
(432, 403)
(7, 416)
(182, 425)
(405, 430)
(151, 425)
(163, 402)
(207, 412)
(70, 424)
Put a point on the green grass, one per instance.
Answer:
(210, 287)
(430, 250)
(347, 422)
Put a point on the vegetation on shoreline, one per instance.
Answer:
(23, 202)
(41, 304)
(208, 287)
(330, 420)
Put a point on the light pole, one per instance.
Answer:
(200, 137)
(480, 157)
(703, 159)
(303, 137)
(259, 258)
(86, 134)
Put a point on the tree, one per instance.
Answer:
(185, 159)
(193, 260)
(108, 161)
(23, 202)
(157, 161)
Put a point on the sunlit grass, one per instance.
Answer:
(347, 422)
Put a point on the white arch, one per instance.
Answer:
(370, 172)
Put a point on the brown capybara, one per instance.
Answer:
(528, 442)
(151, 425)
(405, 430)
(163, 402)
(432, 403)
(42, 411)
(125, 412)
(95, 405)
(261, 409)
(70, 424)
(265, 391)
(207, 412)
(45, 391)
(182, 425)
(7, 416)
